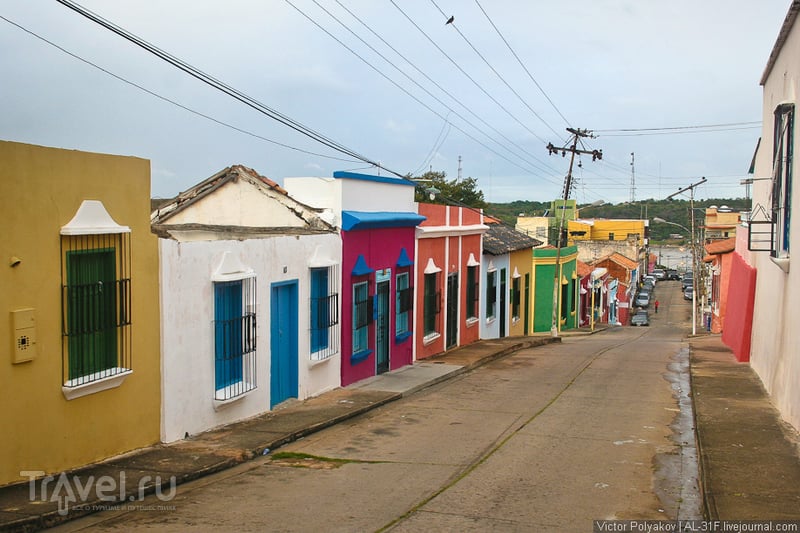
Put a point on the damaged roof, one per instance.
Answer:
(303, 218)
(500, 239)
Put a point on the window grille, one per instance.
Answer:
(472, 292)
(96, 307)
(405, 302)
(324, 312)
(362, 316)
(432, 297)
(235, 334)
(515, 298)
(491, 294)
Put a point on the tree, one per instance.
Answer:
(463, 192)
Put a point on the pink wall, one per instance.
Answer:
(738, 319)
(381, 250)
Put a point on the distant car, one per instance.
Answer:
(688, 292)
(640, 318)
(687, 282)
(660, 274)
(642, 299)
(649, 278)
(672, 274)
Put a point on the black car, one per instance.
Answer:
(672, 274)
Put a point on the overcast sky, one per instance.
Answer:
(593, 64)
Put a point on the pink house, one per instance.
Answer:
(377, 217)
(447, 278)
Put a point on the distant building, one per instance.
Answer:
(720, 223)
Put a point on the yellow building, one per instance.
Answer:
(720, 223)
(79, 285)
(606, 229)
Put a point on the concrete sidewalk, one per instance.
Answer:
(28, 508)
(750, 459)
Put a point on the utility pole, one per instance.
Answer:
(695, 263)
(458, 180)
(633, 180)
(576, 135)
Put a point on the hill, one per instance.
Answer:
(676, 211)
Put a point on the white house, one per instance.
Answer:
(249, 301)
(774, 234)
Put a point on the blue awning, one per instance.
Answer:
(379, 219)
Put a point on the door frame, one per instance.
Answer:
(284, 376)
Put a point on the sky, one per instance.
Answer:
(390, 81)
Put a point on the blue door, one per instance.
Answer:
(283, 342)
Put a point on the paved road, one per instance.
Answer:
(547, 439)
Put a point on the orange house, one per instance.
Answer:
(720, 256)
(448, 258)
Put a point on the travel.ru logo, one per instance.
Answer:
(73, 491)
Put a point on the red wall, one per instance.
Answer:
(738, 319)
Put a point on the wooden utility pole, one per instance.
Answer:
(573, 149)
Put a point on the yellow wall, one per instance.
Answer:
(602, 228)
(40, 191)
(522, 261)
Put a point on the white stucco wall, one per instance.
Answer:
(244, 206)
(348, 194)
(187, 313)
(774, 351)
(490, 329)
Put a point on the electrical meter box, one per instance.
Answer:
(23, 335)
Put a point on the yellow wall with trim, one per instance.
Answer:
(40, 191)
(600, 229)
(521, 261)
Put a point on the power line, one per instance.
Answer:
(170, 101)
(521, 63)
(319, 26)
(668, 128)
(222, 87)
(456, 100)
(510, 88)
(470, 78)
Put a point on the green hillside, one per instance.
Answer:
(671, 210)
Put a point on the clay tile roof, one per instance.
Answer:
(583, 269)
(626, 262)
(721, 247)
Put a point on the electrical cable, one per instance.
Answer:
(521, 63)
(170, 101)
(219, 85)
(500, 76)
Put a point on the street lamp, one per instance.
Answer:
(694, 268)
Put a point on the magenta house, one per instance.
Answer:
(377, 217)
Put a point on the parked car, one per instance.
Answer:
(688, 292)
(660, 274)
(651, 279)
(642, 299)
(687, 282)
(640, 318)
(649, 284)
(672, 274)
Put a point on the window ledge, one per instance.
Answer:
(782, 262)
(472, 321)
(428, 339)
(110, 378)
(360, 356)
(402, 337)
(313, 362)
(490, 319)
(226, 398)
